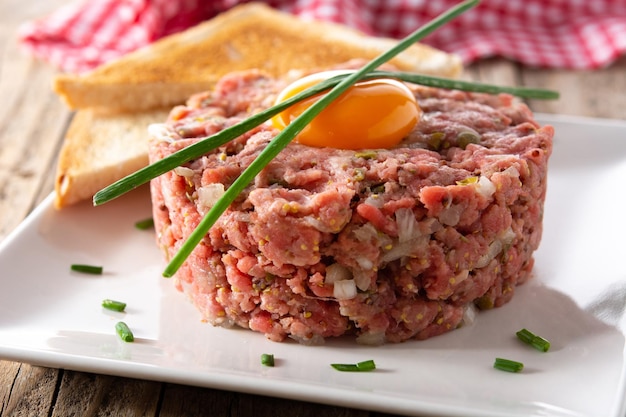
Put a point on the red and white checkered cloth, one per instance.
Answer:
(577, 34)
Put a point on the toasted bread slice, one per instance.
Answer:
(100, 149)
(248, 36)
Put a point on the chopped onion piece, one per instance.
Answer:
(408, 228)
(344, 289)
(450, 216)
(494, 249)
(209, 194)
(507, 236)
(365, 233)
(184, 172)
(374, 200)
(469, 314)
(371, 338)
(364, 263)
(512, 172)
(362, 279)
(337, 272)
(485, 187)
(314, 340)
(404, 249)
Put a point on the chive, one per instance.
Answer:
(345, 367)
(525, 336)
(145, 224)
(339, 84)
(533, 340)
(291, 130)
(113, 305)
(267, 359)
(201, 147)
(124, 332)
(471, 86)
(508, 365)
(368, 365)
(209, 143)
(87, 269)
(364, 366)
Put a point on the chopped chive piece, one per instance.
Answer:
(541, 344)
(508, 365)
(113, 305)
(87, 269)
(364, 366)
(145, 224)
(345, 367)
(124, 332)
(267, 359)
(525, 336)
(533, 340)
(470, 86)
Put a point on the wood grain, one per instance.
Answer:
(599, 93)
(32, 122)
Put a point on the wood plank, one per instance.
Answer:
(495, 71)
(32, 122)
(29, 140)
(600, 93)
(255, 405)
(86, 394)
(31, 391)
(196, 402)
(179, 400)
(8, 374)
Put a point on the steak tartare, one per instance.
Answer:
(385, 245)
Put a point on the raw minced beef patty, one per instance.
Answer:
(386, 245)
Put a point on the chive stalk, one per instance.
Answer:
(209, 143)
(508, 365)
(87, 269)
(202, 147)
(337, 86)
(345, 367)
(124, 332)
(470, 86)
(267, 359)
(113, 305)
(368, 365)
(290, 131)
(145, 224)
(533, 340)
(364, 366)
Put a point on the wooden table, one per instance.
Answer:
(32, 125)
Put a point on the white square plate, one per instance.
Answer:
(51, 316)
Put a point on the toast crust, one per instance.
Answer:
(251, 35)
(100, 149)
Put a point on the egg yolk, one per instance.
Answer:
(371, 114)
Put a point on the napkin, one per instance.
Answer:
(572, 34)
